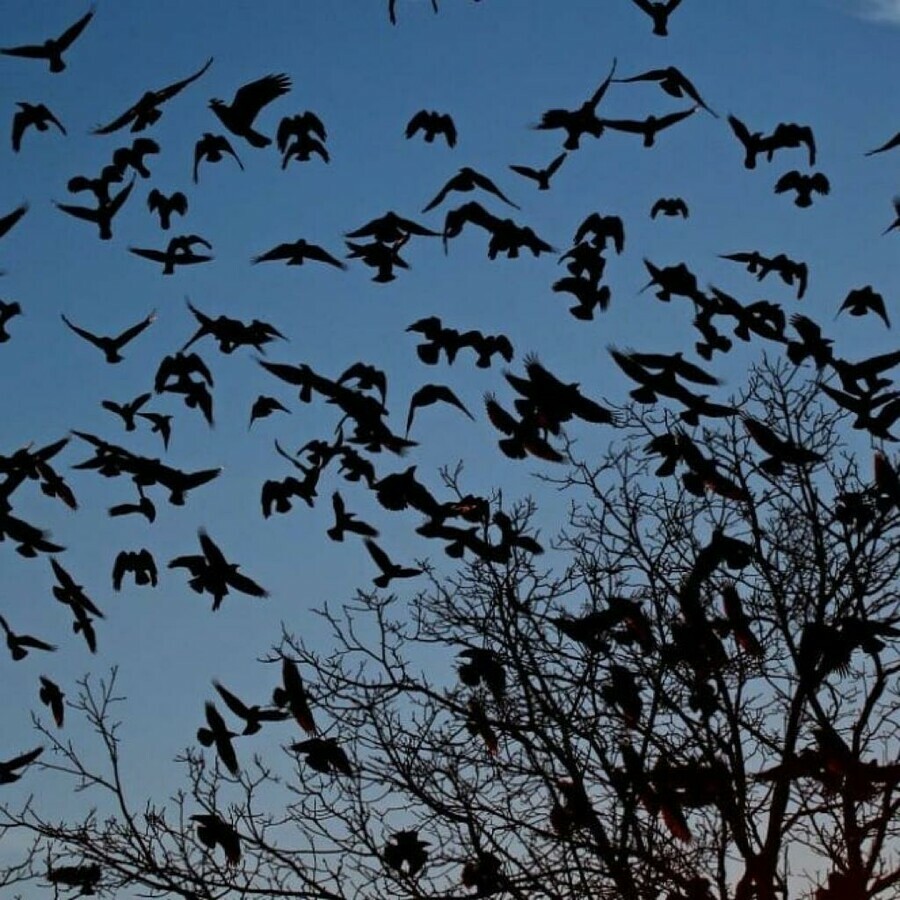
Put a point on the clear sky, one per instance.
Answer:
(495, 66)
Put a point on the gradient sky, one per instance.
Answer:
(495, 66)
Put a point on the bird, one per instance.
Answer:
(432, 393)
(20, 644)
(787, 135)
(211, 147)
(53, 48)
(145, 111)
(541, 176)
(890, 144)
(389, 569)
(8, 767)
(98, 186)
(673, 81)
(140, 563)
(291, 695)
(214, 831)
(295, 253)
(483, 666)
(669, 206)
(164, 205)
(302, 149)
(8, 221)
(160, 424)
(127, 411)
(324, 755)
(651, 126)
(432, 123)
(753, 142)
(111, 346)
(367, 378)
(346, 521)
(896, 222)
(245, 106)
(781, 450)
(253, 716)
(264, 406)
(103, 214)
(405, 852)
(32, 114)
(603, 228)
(217, 733)
(299, 126)
(659, 11)
(861, 301)
(8, 310)
(468, 179)
(380, 256)
(52, 697)
(178, 252)
(133, 157)
(804, 185)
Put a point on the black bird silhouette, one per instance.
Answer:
(253, 716)
(160, 424)
(302, 149)
(790, 135)
(8, 767)
(861, 301)
(144, 507)
(804, 185)
(217, 733)
(651, 126)
(541, 176)
(346, 521)
(781, 450)
(214, 831)
(20, 644)
(103, 214)
(164, 206)
(112, 345)
(99, 186)
(389, 569)
(483, 666)
(406, 847)
(140, 563)
(211, 147)
(432, 123)
(390, 228)
(380, 256)
(811, 343)
(299, 126)
(10, 219)
(8, 310)
(324, 755)
(245, 106)
(52, 697)
(603, 229)
(212, 573)
(133, 156)
(523, 436)
(467, 179)
(432, 393)
(32, 114)
(292, 695)
(178, 252)
(146, 111)
(297, 252)
(264, 406)
(896, 222)
(127, 411)
(890, 144)
(673, 82)
(669, 206)
(753, 142)
(86, 877)
(659, 11)
(367, 378)
(53, 48)
(577, 122)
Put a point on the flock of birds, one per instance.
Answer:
(541, 406)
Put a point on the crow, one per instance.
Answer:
(112, 345)
(406, 847)
(865, 300)
(292, 696)
(669, 206)
(133, 156)
(104, 213)
(160, 424)
(389, 569)
(432, 123)
(36, 115)
(264, 406)
(541, 176)
(299, 126)
(302, 149)
(178, 252)
(672, 81)
(20, 644)
(213, 831)
(753, 142)
(432, 393)
(211, 147)
(346, 521)
(219, 735)
(391, 228)
(659, 11)
(790, 135)
(10, 219)
(140, 563)
(297, 252)
(99, 186)
(127, 411)
(248, 101)
(52, 697)
(53, 48)
(890, 144)
(164, 206)
(324, 755)
(650, 126)
(8, 773)
(804, 185)
(467, 179)
(254, 716)
(146, 111)
(896, 222)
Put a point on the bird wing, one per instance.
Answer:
(420, 120)
(171, 90)
(245, 585)
(448, 126)
(135, 330)
(251, 98)
(80, 212)
(20, 123)
(66, 39)
(820, 183)
(788, 182)
(9, 220)
(82, 332)
(115, 204)
(23, 759)
(887, 145)
(658, 207)
(740, 130)
(211, 551)
(527, 171)
(672, 118)
(379, 556)
(643, 5)
(320, 254)
(28, 51)
(556, 163)
(234, 703)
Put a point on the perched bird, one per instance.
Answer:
(211, 147)
(432, 123)
(297, 252)
(29, 115)
(541, 176)
(659, 11)
(146, 111)
(264, 406)
(672, 81)
(112, 345)
(432, 393)
(669, 206)
(164, 206)
(214, 831)
(10, 219)
(52, 697)
(890, 144)
(467, 179)
(139, 562)
(389, 569)
(324, 755)
(245, 106)
(20, 644)
(53, 48)
(254, 716)
(219, 735)
(804, 185)
(8, 767)
(861, 301)
(103, 214)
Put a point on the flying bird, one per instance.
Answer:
(651, 126)
(659, 11)
(389, 569)
(245, 106)
(804, 185)
(753, 142)
(324, 755)
(896, 222)
(112, 345)
(146, 111)
(346, 521)
(8, 767)
(52, 697)
(217, 733)
(103, 214)
(53, 48)
(467, 179)
(140, 563)
(297, 252)
(211, 147)
(35, 115)
(159, 424)
(213, 831)
(292, 696)
(432, 123)
(164, 206)
(861, 301)
(264, 406)
(669, 206)
(127, 411)
(541, 176)
(673, 81)
(432, 393)
(178, 252)
(133, 157)
(20, 644)
(253, 716)
(8, 310)
(299, 126)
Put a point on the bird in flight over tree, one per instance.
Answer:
(53, 48)
(245, 106)
(146, 111)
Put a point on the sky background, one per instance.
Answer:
(495, 66)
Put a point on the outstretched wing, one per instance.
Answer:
(252, 97)
(171, 90)
(67, 38)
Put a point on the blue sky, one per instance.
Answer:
(495, 66)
